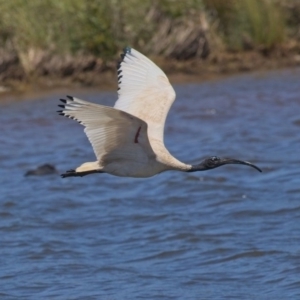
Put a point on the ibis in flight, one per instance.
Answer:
(128, 139)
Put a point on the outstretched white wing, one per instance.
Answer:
(114, 134)
(144, 91)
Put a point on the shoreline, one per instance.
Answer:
(217, 66)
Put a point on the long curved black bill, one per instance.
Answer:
(240, 162)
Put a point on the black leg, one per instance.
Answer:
(73, 173)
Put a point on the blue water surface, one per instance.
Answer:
(228, 233)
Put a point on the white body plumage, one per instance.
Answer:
(128, 139)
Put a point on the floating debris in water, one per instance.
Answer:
(45, 169)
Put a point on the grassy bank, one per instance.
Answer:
(71, 37)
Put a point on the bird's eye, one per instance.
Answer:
(212, 162)
(214, 158)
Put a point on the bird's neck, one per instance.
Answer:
(171, 163)
(197, 167)
(165, 159)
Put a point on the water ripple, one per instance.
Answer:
(230, 233)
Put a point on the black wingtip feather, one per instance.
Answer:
(122, 55)
(61, 105)
(70, 97)
(63, 100)
(126, 50)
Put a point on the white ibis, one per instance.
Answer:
(128, 138)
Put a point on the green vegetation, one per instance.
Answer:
(250, 23)
(102, 27)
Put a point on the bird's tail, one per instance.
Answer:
(83, 170)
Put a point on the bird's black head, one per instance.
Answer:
(215, 161)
